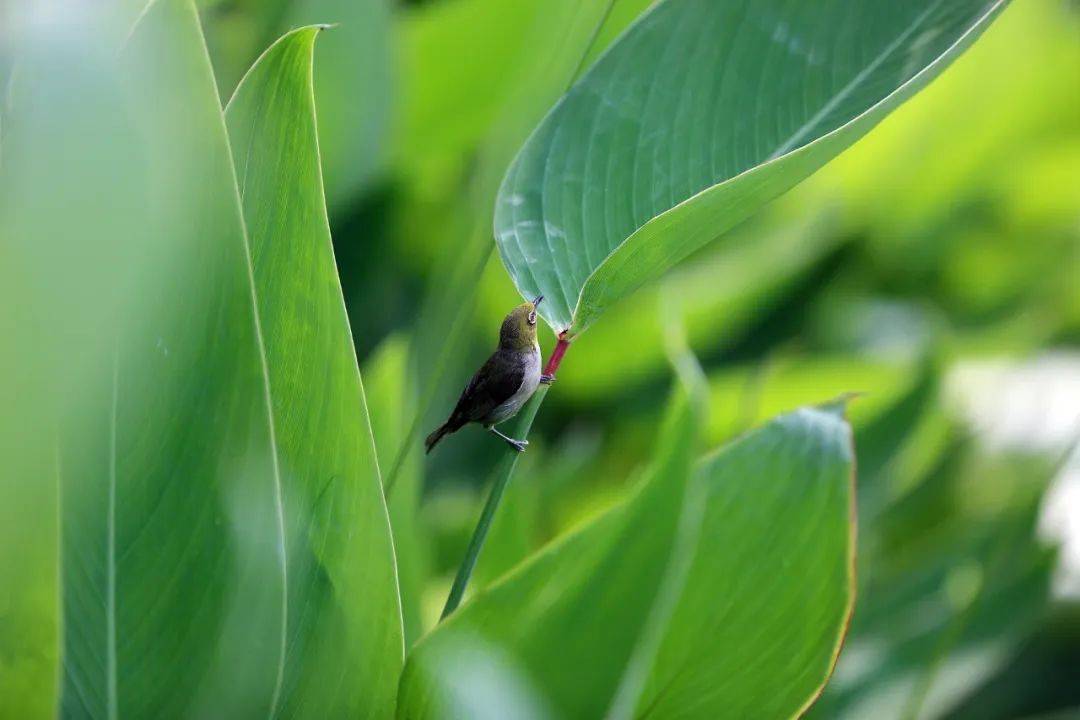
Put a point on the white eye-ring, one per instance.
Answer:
(532, 318)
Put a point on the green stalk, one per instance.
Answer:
(503, 471)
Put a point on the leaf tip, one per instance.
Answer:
(838, 405)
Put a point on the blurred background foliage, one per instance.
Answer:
(934, 267)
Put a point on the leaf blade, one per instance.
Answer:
(612, 188)
(347, 613)
(178, 593)
(161, 530)
(647, 590)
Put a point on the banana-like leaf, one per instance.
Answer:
(171, 552)
(344, 636)
(721, 591)
(63, 274)
(700, 113)
(223, 545)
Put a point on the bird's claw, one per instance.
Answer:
(518, 445)
(547, 379)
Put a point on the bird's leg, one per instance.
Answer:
(547, 379)
(518, 445)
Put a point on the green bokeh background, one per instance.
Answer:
(934, 267)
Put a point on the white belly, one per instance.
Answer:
(529, 384)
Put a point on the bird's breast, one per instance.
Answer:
(530, 380)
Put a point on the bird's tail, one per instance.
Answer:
(436, 436)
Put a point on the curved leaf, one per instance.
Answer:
(344, 647)
(601, 578)
(172, 561)
(758, 627)
(58, 282)
(223, 545)
(699, 114)
(720, 592)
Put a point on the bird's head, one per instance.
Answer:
(518, 330)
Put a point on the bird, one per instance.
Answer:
(502, 384)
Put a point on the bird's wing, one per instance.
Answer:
(492, 385)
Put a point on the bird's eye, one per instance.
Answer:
(532, 318)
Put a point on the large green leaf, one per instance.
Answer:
(721, 592)
(699, 114)
(344, 647)
(63, 274)
(725, 291)
(222, 541)
(601, 578)
(173, 563)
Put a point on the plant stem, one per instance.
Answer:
(557, 354)
(503, 472)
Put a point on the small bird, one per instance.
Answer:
(503, 384)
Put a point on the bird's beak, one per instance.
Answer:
(537, 300)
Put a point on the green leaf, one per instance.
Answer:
(344, 625)
(533, 613)
(64, 273)
(173, 564)
(719, 591)
(698, 115)
(744, 396)
(352, 89)
(725, 291)
(209, 513)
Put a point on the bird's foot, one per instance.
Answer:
(518, 445)
(547, 379)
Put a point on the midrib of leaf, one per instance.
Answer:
(279, 503)
(110, 560)
(852, 84)
(780, 154)
(635, 675)
(112, 693)
(58, 678)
